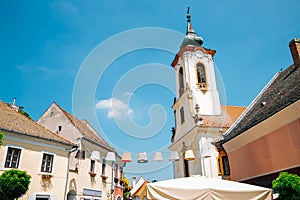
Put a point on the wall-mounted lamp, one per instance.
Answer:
(198, 119)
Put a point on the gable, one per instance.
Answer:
(13, 121)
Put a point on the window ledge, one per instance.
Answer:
(116, 179)
(46, 176)
(104, 177)
(8, 168)
(92, 174)
(46, 173)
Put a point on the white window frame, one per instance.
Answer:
(34, 195)
(5, 155)
(41, 162)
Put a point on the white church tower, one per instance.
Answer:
(195, 72)
(199, 117)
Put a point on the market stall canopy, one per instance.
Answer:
(200, 187)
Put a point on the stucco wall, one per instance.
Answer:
(276, 151)
(30, 161)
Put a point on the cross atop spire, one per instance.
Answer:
(188, 14)
(190, 28)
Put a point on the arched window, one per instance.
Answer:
(201, 76)
(181, 82)
(182, 115)
(201, 73)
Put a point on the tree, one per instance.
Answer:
(288, 186)
(1, 138)
(126, 185)
(21, 110)
(13, 184)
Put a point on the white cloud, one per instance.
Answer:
(116, 108)
(128, 94)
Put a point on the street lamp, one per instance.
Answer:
(111, 157)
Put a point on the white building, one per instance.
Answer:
(91, 176)
(199, 116)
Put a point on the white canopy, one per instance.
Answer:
(200, 187)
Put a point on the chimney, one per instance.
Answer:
(295, 50)
(14, 106)
(133, 181)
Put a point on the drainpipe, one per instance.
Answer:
(67, 177)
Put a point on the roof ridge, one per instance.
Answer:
(86, 122)
(23, 117)
(234, 106)
(77, 123)
(248, 108)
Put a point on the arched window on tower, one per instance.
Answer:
(181, 82)
(201, 76)
(182, 120)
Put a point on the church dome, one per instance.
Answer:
(194, 41)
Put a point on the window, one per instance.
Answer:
(186, 168)
(12, 158)
(201, 76)
(121, 173)
(226, 168)
(182, 115)
(92, 169)
(181, 83)
(223, 162)
(175, 118)
(201, 73)
(47, 163)
(42, 197)
(116, 170)
(103, 166)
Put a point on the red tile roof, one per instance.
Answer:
(229, 115)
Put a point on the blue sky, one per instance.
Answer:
(45, 46)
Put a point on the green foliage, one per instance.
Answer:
(126, 185)
(21, 110)
(13, 184)
(288, 186)
(1, 138)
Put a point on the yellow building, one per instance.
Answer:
(43, 154)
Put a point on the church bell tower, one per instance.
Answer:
(197, 94)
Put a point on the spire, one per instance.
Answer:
(190, 29)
